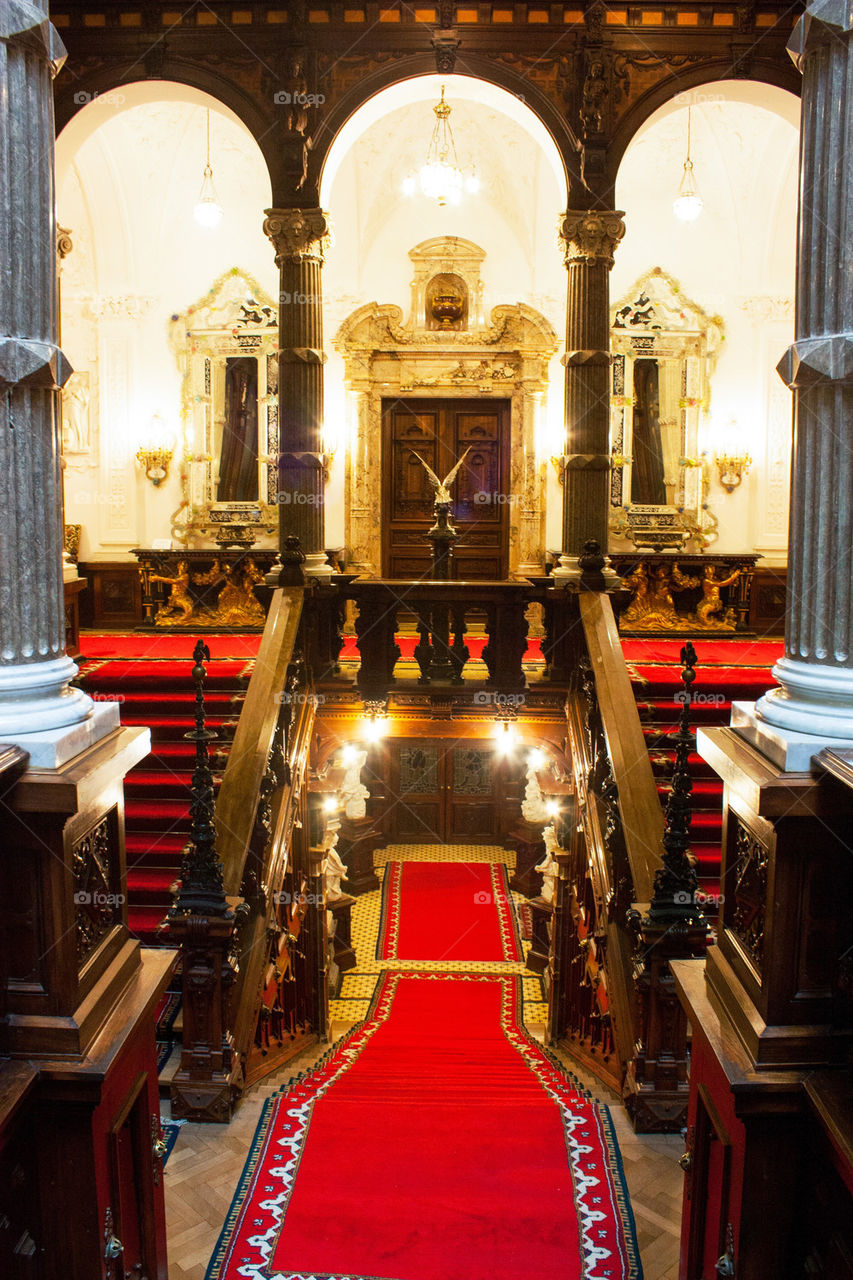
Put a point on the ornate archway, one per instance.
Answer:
(506, 355)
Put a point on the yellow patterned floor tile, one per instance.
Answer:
(358, 984)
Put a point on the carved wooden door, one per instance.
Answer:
(442, 791)
(440, 431)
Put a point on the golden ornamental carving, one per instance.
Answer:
(591, 236)
(297, 234)
(64, 242)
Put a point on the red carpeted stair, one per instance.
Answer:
(151, 677)
(727, 671)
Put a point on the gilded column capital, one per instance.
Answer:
(64, 242)
(297, 234)
(591, 236)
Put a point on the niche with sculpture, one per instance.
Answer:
(664, 347)
(226, 349)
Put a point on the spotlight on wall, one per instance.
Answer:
(156, 450)
(375, 723)
(506, 737)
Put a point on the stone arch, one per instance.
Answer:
(73, 95)
(680, 83)
(475, 68)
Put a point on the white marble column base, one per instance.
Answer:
(315, 565)
(568, 572)
(813, 698)
(789, 749)
(35, 696)
(51, 748)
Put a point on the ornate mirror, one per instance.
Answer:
(226, 348)
(664, 347)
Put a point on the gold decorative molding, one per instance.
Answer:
(591, 236)
(297, 234)
(64, 243)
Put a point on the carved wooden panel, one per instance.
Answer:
(749, 880)
(439, 432)
(439, 791)
(98, 900)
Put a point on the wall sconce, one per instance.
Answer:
(156, 451)
(731, 469)
(375, 723)
(329, 446)
(505, 731)
(558, 462)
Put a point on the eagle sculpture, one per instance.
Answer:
(442, 487)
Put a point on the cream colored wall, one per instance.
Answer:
(736, 261)
(129, 170)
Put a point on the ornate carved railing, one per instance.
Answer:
(445, 614)
(625, 901)
(252, 930)
(593, 1006)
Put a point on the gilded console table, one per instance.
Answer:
(699, 593)
(203, 590)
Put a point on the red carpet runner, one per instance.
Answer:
(151, 677)
(437, 1142)
(447, 911)
(727, 670)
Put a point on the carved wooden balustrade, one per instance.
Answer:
(255, 953)
(445, 613)
(612, 1000)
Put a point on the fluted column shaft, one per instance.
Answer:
(590, 240)
(34, 670)
(300, 237)
(816, 673)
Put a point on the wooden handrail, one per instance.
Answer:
(237, 802)
(598, 861)
(260, 915)
(639, 804)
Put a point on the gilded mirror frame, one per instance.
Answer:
(234, 318)
(655, 321)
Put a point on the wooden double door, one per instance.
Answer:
(440, 431)
(443, 791)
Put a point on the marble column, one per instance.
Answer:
(300, 237)
(589, 239)
(814, 704)
(36, 705)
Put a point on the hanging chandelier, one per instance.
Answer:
(208, 210)
(442, 178)
(687, 205)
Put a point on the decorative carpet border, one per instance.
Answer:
(388, 938)
(275, 1159)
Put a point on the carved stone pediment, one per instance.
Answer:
(379, 329)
